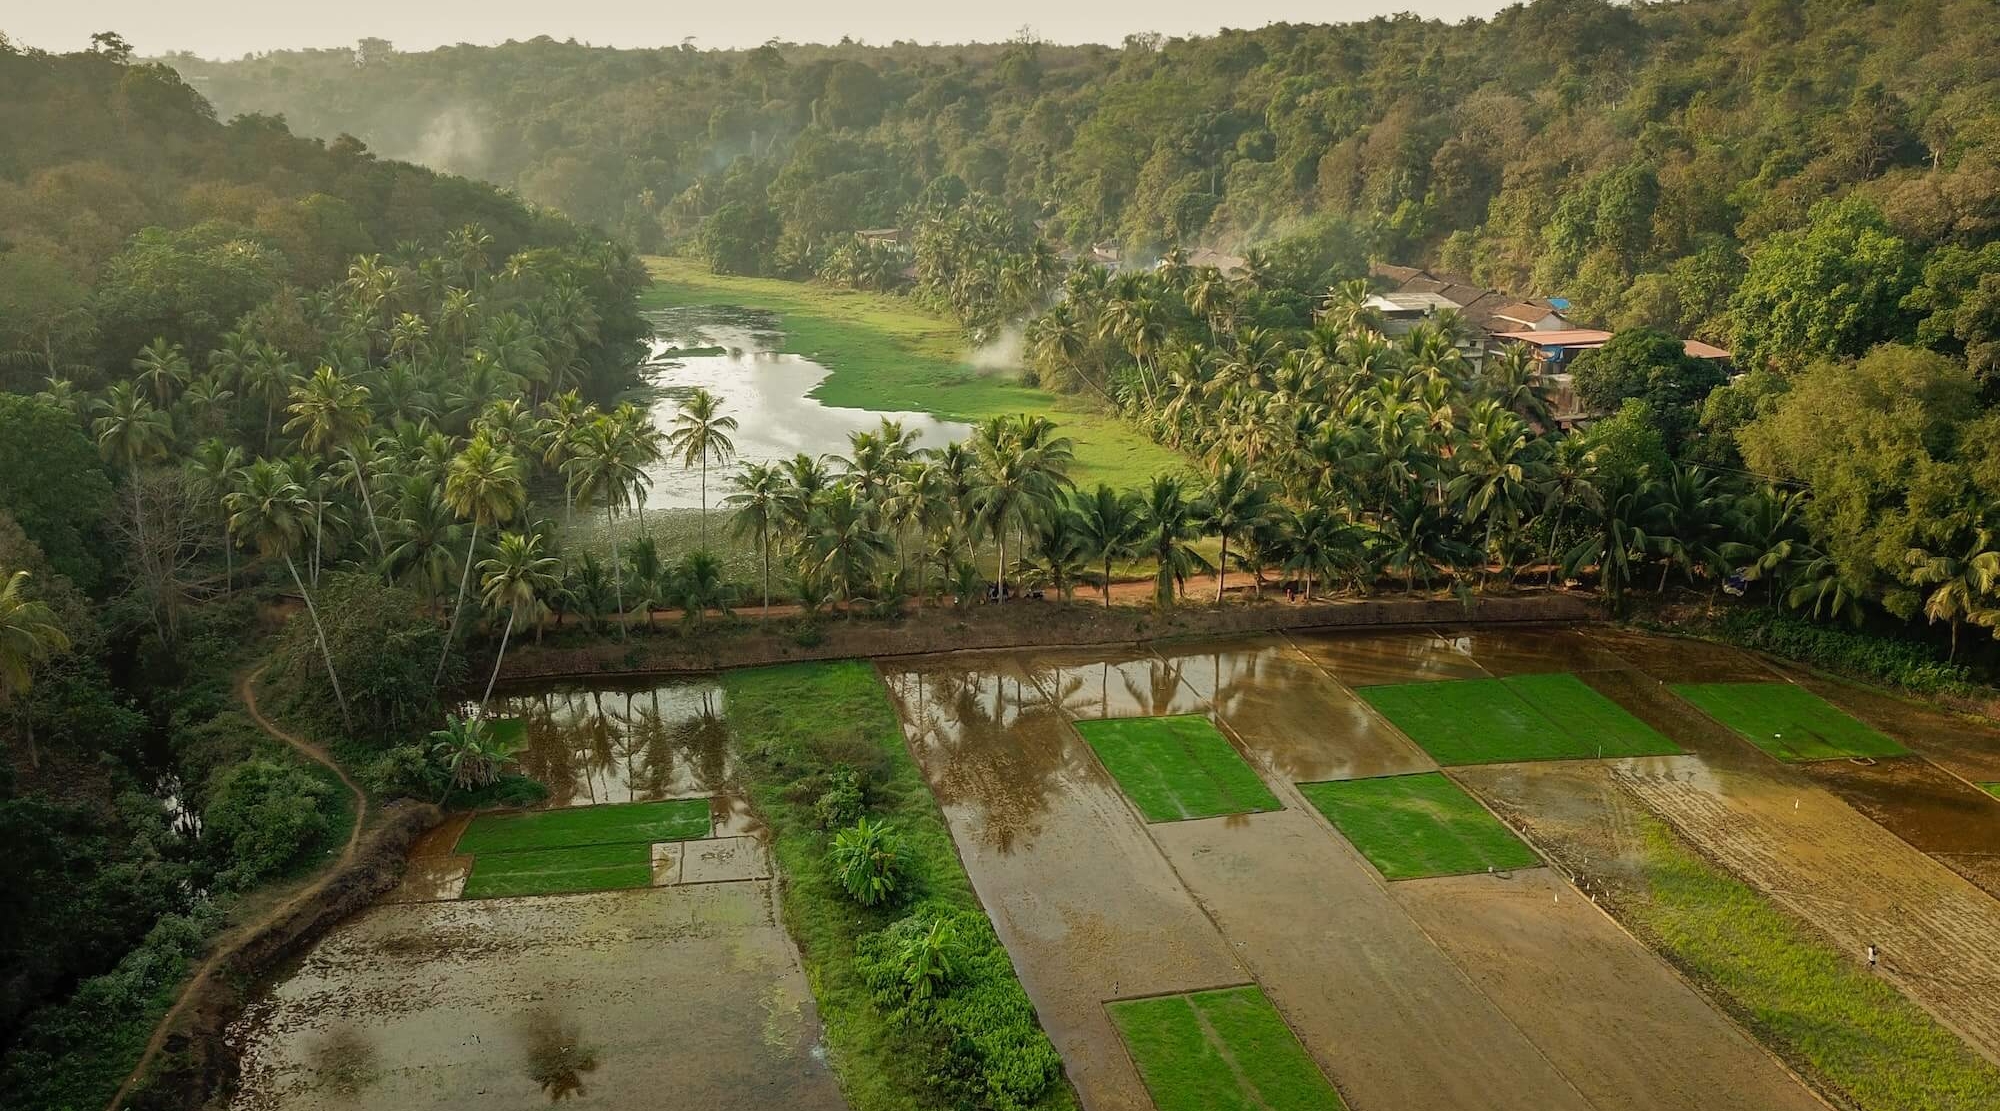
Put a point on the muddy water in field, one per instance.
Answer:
(1931, 809)
(1536, 651)
(1112, 682)
(1673, 660)
(624, 742)
(1288, 714)
(1370, 659)
(1615, 1019)
(1087, 908)
(669, 997)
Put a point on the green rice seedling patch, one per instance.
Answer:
(1412, 826)
(1177, 767)
(1788, 721)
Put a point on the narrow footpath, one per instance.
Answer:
(246, 692)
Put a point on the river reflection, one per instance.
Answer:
(767, 392)
(606, 743)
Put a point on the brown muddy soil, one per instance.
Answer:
(1116, 681)
(1921, 803)
(1086, 906)
(1615, 1019)
(1371, 659)
(1800, 844)
(684, 997)
(1673, 660)
(1288, 715)
(1964, 747)
(1390, 1017)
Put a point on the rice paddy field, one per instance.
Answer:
(1522, 869)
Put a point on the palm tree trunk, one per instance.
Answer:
(767, 573)
(504, 634)
(1107, 582)
(1000, 576)
(1555, 538)
(617, 575)
(704, 502)
(368, 502)
(1222, 570)
(451, 624)
(319, 633)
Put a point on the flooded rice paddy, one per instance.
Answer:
(685, 993)
(1485, 991)
(732, 353)
(1482, 991)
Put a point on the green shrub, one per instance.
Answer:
(1907, 664)
(841, 803)
(943, 974)
(405, 771)
(261, 817)
(871, 861)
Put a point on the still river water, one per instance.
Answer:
(769, 394)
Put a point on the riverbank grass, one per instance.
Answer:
(1788, 721)
(885, 353)
(1796, 992)
(1501, 721)
(1416, 826)
(1173, 768)
(1226, 1050)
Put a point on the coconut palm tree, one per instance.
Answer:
(484, 485)
(268, 510)
(696, 585)
(210, 471)
(29, 634)
(845, 543)
(700, 436)
(426, 537)
(1963, 582)
(471, 752)
(1770, 537)
(1110, 525)
(1021, 477)
(1237, 505)
(518, 576)
(163, 368)
(603, 468)
(1169, 525)
(331, 416)
(755, 506)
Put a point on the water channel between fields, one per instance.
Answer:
(768, 392)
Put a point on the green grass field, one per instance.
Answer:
(1809, 1001)
(1527, 717)
(1412, 826)
(672, 820)
(1226, 1050)
(886, 353)
(1992, 789)
(560, 871)
(1177, 767)
(1788, 721)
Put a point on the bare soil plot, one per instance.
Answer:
(514, 1004)
(1931, 809)
(1388, 1016)
(1787, 721)
(1088, 909)
(1368, 659)
(1614, 1018)
(1409, 826)
(1536, 651)
(1289, 715)
(1939, 936)
(1221, 1050)
(1813, 1002)
(1175, 768)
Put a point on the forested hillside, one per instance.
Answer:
(202, 326)
(1630, 157)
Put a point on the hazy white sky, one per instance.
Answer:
(227, 28)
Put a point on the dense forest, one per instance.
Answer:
(1630, 157)
(203, 325)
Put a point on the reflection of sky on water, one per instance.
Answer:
(764, 390)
